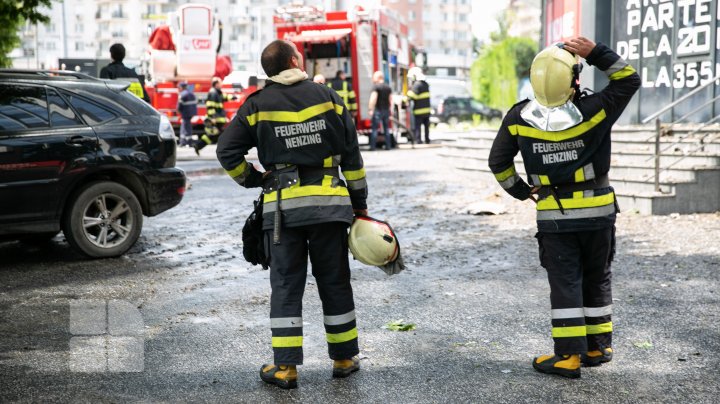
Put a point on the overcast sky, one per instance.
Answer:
(483, 17)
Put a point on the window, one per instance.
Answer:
(50, 45)
(23, 107)
(61, 115)
(79, 46)
(411, 15)
(92, 113)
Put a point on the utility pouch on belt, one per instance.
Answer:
(554, 190)
(277, 181)
(252, 236)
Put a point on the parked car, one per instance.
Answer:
(84, 156)
(455, 109)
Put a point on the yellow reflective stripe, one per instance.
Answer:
(423, 96)
(213, 104)
(544, 179)
(421, 111)
(602, 200)
(328, 162)
(565, 332)
(579, 177)
(206, 139)
(622, 73)
(239, 170)
(411, 94)
(343, 336)
(502, 176)
(291, 116)
(136, 89)
(287, 342)
(308, 190)
(352, 175)
(559, 136)
(599, 328)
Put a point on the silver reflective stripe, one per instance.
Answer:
(616, 67)
(589, 172)
(306, 201)
(508, 183)
(357, 184)
(340, 319)
(535, 179)
(336, 160)
(286, 322)
(588, 193)
(568, 313)
(598, 311)
(582, 213)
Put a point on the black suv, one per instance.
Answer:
(455, 109)
(84, 156)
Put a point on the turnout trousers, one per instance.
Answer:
(326, 243)
(578, 268)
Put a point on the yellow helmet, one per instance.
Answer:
(373, 242)
(552, 76)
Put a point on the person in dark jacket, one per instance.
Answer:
(117, 70)
(564, 139)
(420, 96)
(187, 108)
(215, 116)
(304, 135)
(345, 90)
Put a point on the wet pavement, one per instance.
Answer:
(183, 318)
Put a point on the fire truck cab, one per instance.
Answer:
(358, 42)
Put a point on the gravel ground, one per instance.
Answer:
(474, 289)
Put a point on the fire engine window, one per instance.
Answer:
(337, 49)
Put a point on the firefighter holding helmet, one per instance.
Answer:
(304, 134)
(564, 139)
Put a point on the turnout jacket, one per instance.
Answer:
(420, 95)
(117, 70)
(562, 159)
(214, 105)
(306, 125)
(345, 91)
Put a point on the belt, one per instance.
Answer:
(553, 190)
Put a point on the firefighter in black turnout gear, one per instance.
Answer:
(304, 135)
(420, 96)
(564, 138)
(215, 116)
(344, 89)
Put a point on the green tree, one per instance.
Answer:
(13, 14)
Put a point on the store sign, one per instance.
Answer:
(673, 39)
(562, 20)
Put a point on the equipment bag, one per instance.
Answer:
(252, 236)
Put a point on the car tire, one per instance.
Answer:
(453, 121)
(104, 219)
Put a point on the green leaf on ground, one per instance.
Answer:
(399, 325)
(643, 344)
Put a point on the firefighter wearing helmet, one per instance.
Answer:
(564, 139)
(305, 135)
(420, 96)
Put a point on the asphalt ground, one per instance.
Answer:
(473, 289)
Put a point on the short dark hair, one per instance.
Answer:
(117, 52)
(339, 73)
(276, 57)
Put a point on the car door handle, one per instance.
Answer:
(80, 140)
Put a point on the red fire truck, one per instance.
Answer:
(358, 42)
(187, 50)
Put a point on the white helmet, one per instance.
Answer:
(373, 242)
(416, 73)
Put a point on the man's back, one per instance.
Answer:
(117, 70)
(383, 96)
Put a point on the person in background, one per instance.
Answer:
(117, 70)
(379, 109)
(187, 108)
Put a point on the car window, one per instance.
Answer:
(477, 105)
(91, 112)
(61, 115)
(23, 107)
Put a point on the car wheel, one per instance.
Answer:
(104, 220)
(453, 121)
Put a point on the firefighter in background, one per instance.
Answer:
(564, 138)
(420, 96)
(117, 70)
(344, 89)
(215, 117)
(304, 136)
